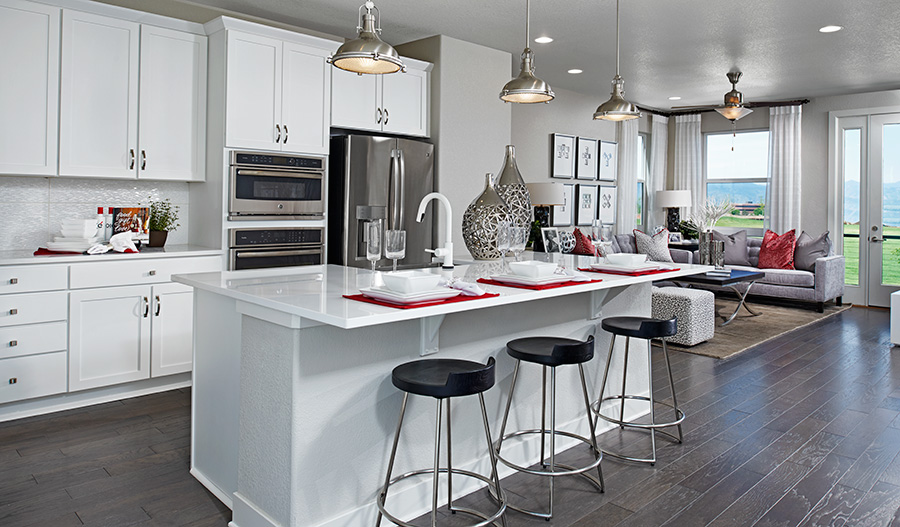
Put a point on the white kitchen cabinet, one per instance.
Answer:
(29, 97)
(98, 96)
(172, 105)
(172, 329)
(396, 103)
(277, 95)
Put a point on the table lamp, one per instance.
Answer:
(672, 200)
(543, 196)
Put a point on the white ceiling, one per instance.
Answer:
(669, 47)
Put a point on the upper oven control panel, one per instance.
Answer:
(273, 160)
(276, 236)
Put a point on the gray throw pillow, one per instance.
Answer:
(656, 247)
(735, 247)
(809, 249)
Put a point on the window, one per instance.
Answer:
(737, 167)
(643, 167)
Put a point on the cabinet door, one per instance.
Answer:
(98, 96)
(29, 96)
(253, 92)
(405, 103)
(109, 336)
(305, 99)
(171, 340)
(172, 115)
(355, 100)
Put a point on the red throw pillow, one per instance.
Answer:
(777, 252)
(583, 244)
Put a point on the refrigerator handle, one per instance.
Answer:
(395, 191)
(402, 199)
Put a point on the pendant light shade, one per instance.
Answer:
(617, 108)
(368, 53)
(526, 88)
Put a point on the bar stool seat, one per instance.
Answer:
(444, 379)
(551, 352)
(642, 328)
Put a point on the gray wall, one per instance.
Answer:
(470, 125)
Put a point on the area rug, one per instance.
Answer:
(746, 331)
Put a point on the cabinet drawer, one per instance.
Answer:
(139, 272)
(31, 339)
(29, 278)
(34, 376)
(33, 307)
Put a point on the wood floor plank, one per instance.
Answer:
(761, 497)
(834, 508)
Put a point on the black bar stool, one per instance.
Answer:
(642, 328)
(551, 352)
(444, 379)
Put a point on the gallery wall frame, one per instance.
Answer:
(563, 154)
(561, 215)
(586, 205)
(586, 159)
(607, 161)
(606, 205)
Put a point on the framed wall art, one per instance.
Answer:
(606, 205)
(561, 215)
(563, 156)
(586, 159)
(587, 204)
(607, 161)
(550, 237)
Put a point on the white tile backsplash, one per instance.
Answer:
(31, 208)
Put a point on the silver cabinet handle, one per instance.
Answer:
(157, 306)
(285, 134)
(146, 307)
(13, 343)
(143, 160)
(131, 156)
(386, 116)
(378, 115)
(278, 131)
(13, 281)
(13, 311)
(152, 272)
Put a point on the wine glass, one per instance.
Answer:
(503, 240)
(518, 237)
(395, 246)
(373, 244)
(596, 232)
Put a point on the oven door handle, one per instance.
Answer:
(299, 175)
(264, 254)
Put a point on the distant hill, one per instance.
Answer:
(737, 192)
(891, 203)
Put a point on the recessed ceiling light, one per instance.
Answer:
(830, 29)
(543, 40)
(575, 71)
(674, 98)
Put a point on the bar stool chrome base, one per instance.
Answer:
(653, 426)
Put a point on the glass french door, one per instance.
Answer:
(871, 207)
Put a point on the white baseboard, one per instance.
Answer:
(223, 496)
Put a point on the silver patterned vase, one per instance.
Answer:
(512, 189)
(706, 250)
(481, 221)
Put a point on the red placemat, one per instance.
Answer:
(457, 298)
(642, 273)
(42, 251)
(534, 287)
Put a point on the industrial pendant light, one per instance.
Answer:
(526, 88)
(734, 100)
(617, 108)
(367, 53)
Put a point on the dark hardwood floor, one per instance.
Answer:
(802, 430)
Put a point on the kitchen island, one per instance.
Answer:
(293, 406)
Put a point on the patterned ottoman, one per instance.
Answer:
(695, 309)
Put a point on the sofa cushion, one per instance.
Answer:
(753, 245)
(735, 247)
(656, 247)
(777, 251)
(791, 277)
(624, 243)
(810, 249)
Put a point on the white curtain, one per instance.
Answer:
(783, 196)
(627, 167)
(689, 160)
(656, 177)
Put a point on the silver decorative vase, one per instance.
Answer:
(481, 221)
(512, 189)
(706, 247)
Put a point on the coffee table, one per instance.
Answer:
(737, 276)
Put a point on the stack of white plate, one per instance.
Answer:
(75, 236)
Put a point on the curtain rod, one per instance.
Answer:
(705, 110)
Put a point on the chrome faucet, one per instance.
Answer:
(445, 252)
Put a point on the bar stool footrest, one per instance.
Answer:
(595, 407)
(568, 472)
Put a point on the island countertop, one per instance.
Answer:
(316, 292)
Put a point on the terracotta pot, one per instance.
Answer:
(158, 238)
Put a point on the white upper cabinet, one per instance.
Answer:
(98, 102)
(396, 102)
(172, 108)
(29, 107)
(277, 95)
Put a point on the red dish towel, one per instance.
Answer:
(642, 273)
(458, 298)
(534, 287)
(42, 251)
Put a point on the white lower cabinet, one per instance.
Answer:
(171, 329)
(32, 376)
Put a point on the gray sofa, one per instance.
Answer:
(624, 243)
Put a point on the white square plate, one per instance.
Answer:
(386, 295)
(527, 280)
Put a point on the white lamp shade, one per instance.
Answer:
(544, 194)
(667, 199)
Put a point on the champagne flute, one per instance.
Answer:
(596, 232)
(373, 244)
(395, 246)
(518, 237)
(503, 240)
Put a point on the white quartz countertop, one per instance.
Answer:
(169, 251)
(315, 292)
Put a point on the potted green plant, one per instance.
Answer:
(163, 218)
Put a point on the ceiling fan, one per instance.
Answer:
(734, 107)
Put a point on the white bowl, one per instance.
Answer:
(532, 268)
(411, 281)
(626, 259)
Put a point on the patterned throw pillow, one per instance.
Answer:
(656, 247)
(777, 251)
(583, 244)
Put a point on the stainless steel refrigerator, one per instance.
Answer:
(377, 177)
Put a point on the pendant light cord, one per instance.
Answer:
(617, 38)
(527, 23)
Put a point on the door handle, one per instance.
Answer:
(378, 115)
(386, 116)
(278, 131)
(873, 239)
(285, 134)
(146, 307)
(157, 306)
(131, 156)
(143, 160)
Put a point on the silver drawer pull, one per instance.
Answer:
(13, 343)
(13, 281)
(13, 380)
(153, 273)
(13, 311)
